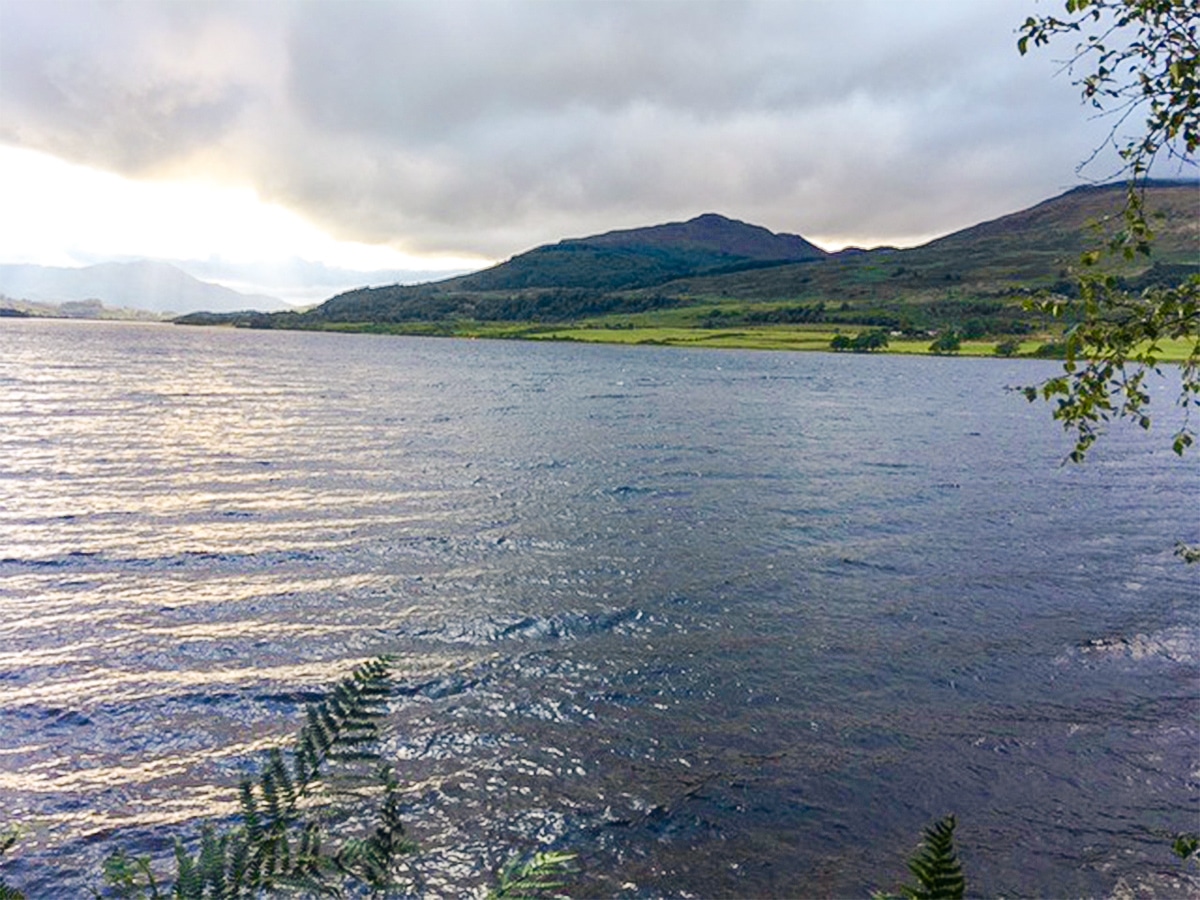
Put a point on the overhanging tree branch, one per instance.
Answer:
(1129, 56)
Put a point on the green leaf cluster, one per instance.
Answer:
(1187, 846)
(1110, 352)
(1143, 56)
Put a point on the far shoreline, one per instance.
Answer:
(769, 338)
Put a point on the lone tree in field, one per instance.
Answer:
(1132, 58)
(946, 343)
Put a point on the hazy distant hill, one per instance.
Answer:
(74, 309)
(153, 286)
(569, 279)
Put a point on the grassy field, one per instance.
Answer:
(794, 338)
(764, 337)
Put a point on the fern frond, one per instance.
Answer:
(269, 854)
(280, 841)
(131, 876)
(280, 774)
(935, 865)
(339, 703)
(374, 859)
(315, 736)
(188, 884)
(7, 839)
(331, 727)
(308, 856)
(356, 857)
(237, 867)
(212, 862)
(389, 839)
(532, 879)
(251, 820)
(270, 794)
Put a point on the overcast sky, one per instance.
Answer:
(443, 135)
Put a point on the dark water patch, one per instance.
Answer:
(73, 558)
(867, 564)
(439, 688)
(50, 717)
(628, 490)
(561, 627)
(188, 558)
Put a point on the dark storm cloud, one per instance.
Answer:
(488, 127)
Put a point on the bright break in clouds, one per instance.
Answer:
(476, 130)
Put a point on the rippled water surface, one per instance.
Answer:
(726, 624)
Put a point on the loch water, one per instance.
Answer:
(723, 623)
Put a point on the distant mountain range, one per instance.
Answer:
(727, 270)
(715, 259)
(145, 285)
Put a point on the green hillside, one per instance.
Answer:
(995, 263)
(579, 277)
(716, 273)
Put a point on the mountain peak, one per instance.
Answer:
(712, 218)
(711, 233)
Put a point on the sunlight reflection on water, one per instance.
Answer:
(673, 610)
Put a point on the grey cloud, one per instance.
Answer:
(488, 127)
(127, 86)
(423, 72)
